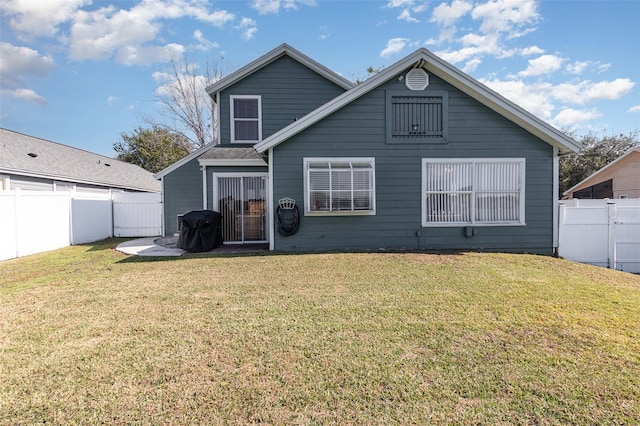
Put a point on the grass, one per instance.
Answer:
(89, 335)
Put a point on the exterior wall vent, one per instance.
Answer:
(417, 79)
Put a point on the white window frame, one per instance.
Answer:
(232, 99)
(473, 191)
(307, 195)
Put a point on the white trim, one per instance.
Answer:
(232, 118)
(204, 187)
(214, 191)
(243, 162)
(162, 215)
(270, 218)
(217, 101)
(267, 58)
(473, 223)
(448, 73)
(307, 202)
(555, 195)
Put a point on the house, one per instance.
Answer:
(618, 179)
(419, 157)
(31, 163)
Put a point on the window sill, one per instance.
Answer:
(465, 224)
(341, 213)
(416, 140)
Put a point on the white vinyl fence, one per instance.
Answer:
(601, 232)
(36, 221)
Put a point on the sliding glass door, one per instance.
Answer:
(242, 203)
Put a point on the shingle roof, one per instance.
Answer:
(26, 155)
(218, 153)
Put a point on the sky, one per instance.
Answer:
(82, 72)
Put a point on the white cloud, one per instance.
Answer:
(27, 95)
(265, 7)
(248, 28)
(408, 8)
(471, 65)
(583, 92)
(405, 15)
(569, 117)
(394, 46)
(40, 18)
(531, 50)
(112, 99)
(19, 64)
(544, 64)
(506, 16)
(203, 43)
(532, 97)
(447, 15)
(129, 34)
(635, 108)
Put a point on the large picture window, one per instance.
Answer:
(339, 186)
(246, 119)
(473, 192)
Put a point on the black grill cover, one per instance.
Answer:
(200, 231)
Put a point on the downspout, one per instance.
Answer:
(556, 196)
(162, 213)
(270, 201)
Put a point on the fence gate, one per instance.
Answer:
(137, 214)
(601, 232)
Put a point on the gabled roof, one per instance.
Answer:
(267, 58)
(26, 155)
(602, 170)
(448, 73)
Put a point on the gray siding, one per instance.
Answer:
(182, 192)
(359, 129)
(289, 91)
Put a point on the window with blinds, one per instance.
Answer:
(473, 192)
(246, 119)
(417, 118)
(339, 186)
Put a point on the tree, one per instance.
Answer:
(183, 99)
(152, 149)
(596, 152)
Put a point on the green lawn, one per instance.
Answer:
(89, 335)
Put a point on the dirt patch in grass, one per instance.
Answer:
(88, 335)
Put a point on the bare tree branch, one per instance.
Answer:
(183, 99)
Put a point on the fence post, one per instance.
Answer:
(611, 218)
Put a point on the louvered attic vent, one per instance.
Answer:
(417, 79)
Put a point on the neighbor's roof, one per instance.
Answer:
(602, 170)
(450, 74)
(26, 155)
(269, 57)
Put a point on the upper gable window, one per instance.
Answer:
(417, 118)
(246, 119)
